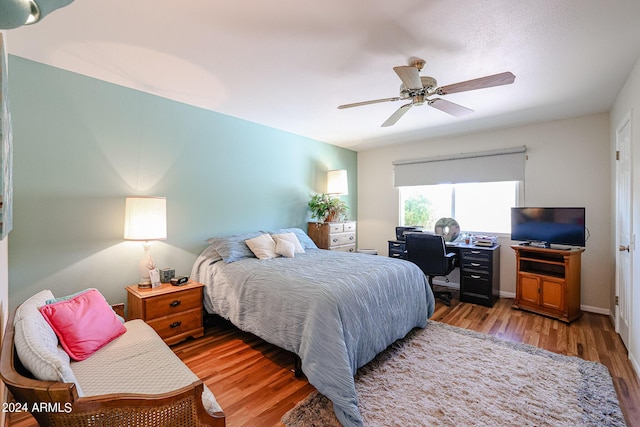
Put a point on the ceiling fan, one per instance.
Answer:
(418, 89)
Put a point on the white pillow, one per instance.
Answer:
(263, 246)
(290, 237)
(37, 344)
(285, 248)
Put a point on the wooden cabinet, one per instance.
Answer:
(335, 236)
(174, 312)
(548, 281)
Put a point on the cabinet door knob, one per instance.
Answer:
(175, 324)
(175, 303)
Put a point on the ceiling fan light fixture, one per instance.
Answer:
(34, 14)
(16, 13)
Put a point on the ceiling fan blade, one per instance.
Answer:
(396, 116)
(483, 82)
(450, 107)
(409, 75)
(374, 101)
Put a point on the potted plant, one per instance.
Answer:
(327, 208)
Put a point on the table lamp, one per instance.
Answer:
(145, 220)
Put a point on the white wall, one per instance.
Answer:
(568, 165)
(628, 100)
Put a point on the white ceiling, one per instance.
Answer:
(289, 63)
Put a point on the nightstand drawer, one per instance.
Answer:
(176, 302)
(177, 324)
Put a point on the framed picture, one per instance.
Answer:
(6, 151)
(154, 275)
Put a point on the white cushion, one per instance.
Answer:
(137, 362)
(285, 248)
(290, 237)
(263, 246)
(37, 344)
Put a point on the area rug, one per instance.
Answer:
(447, 376)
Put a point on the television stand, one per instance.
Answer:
(548, 281)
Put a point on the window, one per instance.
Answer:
(480, 207)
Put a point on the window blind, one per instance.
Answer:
(484, 166)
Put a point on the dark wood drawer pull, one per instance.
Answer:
(175, 324)
(175, 303)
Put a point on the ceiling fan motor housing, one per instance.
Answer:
(428, 84)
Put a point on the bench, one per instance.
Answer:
(135, 379)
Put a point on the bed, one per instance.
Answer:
(334, 310)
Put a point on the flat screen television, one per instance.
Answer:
(547, 226)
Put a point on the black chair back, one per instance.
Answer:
(428, 251)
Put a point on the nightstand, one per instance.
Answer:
(174, 312)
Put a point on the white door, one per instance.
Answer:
(624, 238)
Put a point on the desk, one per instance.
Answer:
(479, 270)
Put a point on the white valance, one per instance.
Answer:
(485, 166)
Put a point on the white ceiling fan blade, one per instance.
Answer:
(449, 107)
(374, 101)
(396, 116)
(483, 82)
(409, 75)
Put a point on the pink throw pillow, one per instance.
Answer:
(83, 324)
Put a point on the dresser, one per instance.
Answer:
(479, 270)
(174, 312)
(335, 236)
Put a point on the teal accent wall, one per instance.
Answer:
(81, 145)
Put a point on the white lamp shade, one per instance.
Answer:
(337, 182)
(145, 218)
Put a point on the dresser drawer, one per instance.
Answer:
(178, 324)
(335, 227)
(344, 248)
(176, 302)
(349, 226)
(342, 239)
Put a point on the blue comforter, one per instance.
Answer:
(335, 310)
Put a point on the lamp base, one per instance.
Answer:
(144, 285)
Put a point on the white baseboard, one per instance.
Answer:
(597, 310)
(634, 363)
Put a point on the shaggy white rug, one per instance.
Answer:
(447, 376)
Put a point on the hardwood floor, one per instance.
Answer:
(252, 379)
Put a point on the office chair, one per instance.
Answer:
(428, 251)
